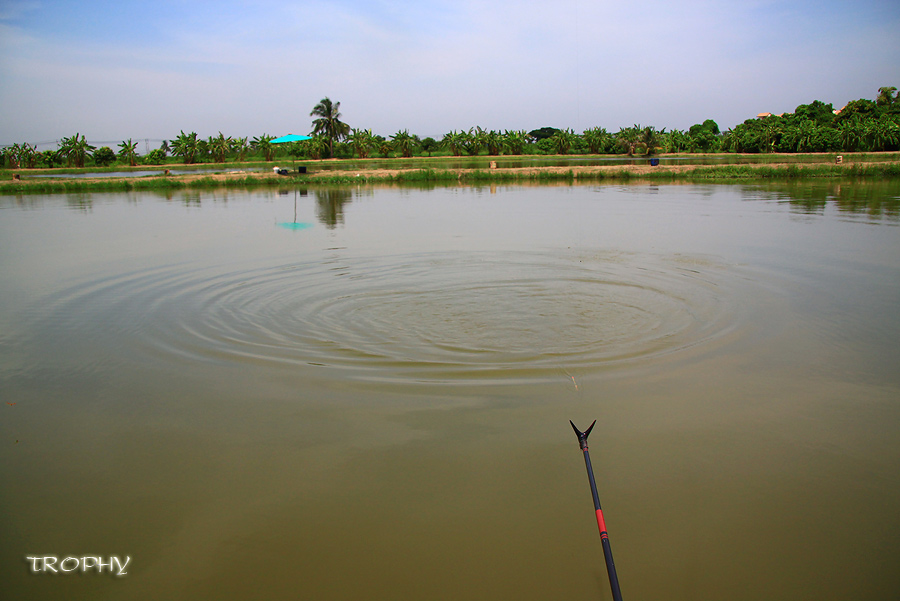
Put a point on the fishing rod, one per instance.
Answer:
(604, 537)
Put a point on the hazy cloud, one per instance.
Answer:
(115, 70)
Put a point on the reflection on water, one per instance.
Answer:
(330, 205)
(876, 199)
(374, 402)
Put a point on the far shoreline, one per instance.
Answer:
(429, 169)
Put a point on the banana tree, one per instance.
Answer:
(404, 143)
(563, 140)
(473, 141)
(50, 158)
(514, 141)
(128, 151)
(649, 138)
(885, 134)
(384, 146)
(627, 138)
(362, 141)
(219, 147)
(454, 141)
(76, 150)
(263, 144)
(315, 147)
(677, 141)
(186, 147)
(21, 156)
(597, 139)
(239, 147)
(493, 141)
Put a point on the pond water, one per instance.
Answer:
(364, 393)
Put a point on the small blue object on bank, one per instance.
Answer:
(654, 162)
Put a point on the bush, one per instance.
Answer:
(154, 157)
(104, 156)
(545, 146)
(50, 158)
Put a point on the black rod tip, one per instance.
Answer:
(583, 436)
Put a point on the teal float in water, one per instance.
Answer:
(295, 226)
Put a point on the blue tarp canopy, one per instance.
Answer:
(289, 138)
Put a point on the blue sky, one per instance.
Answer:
(125, 69)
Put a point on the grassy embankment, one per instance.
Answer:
(435, 171)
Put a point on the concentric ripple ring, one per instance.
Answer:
(446, 317)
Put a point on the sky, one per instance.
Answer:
(114, 70)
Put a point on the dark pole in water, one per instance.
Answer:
(604, 537)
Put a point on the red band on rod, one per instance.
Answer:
(600, 523)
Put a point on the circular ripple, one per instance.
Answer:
(452, 317)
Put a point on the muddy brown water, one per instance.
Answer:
(358, 393)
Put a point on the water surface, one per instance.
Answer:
(364, 393)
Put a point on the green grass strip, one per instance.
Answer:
(722, 173)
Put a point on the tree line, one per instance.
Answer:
(861, 125)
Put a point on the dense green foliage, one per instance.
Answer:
(104, 156)
(861, 126)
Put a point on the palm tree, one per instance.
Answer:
(328, 122)
(886, 96)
